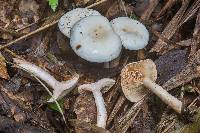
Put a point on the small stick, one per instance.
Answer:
(125, 128)
(118, 105)
(28, 35)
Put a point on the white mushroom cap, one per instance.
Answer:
(93, 39)
(67, 21)
(133, 34)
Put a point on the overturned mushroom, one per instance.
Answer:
(60, 89)
(96, 90)
(138, 75)
(67, 21)
(133, 34)
(93, 39)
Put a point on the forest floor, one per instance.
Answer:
(29, 30)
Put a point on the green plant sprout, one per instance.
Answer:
(53, 4)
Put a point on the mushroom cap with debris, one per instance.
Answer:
(132, 76)
(133, 34)
(68, 20)
(93, 39)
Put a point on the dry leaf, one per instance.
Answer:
(190, 72)
(85, 109)
(3, 69)
(170, 64)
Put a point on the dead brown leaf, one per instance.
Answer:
(3, 69)
(170, 64)
(190, 72)
(85, 108)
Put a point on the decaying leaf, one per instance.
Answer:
(3, 69)
(85, 108)
(5, 11)
(190, 72)
(170, 64)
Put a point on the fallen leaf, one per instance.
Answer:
(3, 69)
(85, 109)
(190, 72)
(170, 64)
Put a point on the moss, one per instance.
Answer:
(191, 127)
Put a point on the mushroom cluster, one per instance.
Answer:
(95, 39)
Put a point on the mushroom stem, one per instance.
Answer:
(167, 98)
(113, 63)
(95, 88)
(59, 87)
(101, 109)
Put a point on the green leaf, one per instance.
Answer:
(54, 107)
(53, 4)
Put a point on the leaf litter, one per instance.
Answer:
(29, 27)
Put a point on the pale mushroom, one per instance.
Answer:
(138, 77)
(67, 21)
(133, 34)
(60, 89)
(93, 39)
(96, 88)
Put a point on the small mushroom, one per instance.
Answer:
(67, 21)
(137, 76)
(96, 88)
(133, 34)
(60, 89)
(93, 39)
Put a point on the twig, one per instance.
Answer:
(129, 114)
(171, 27)
(97, 3)
(192, 103)
(12, 53)
(147, 13)
(118, 105)
(127, 125)
(27, 26)
(28, 35)
(124, 8)
(168, 127)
